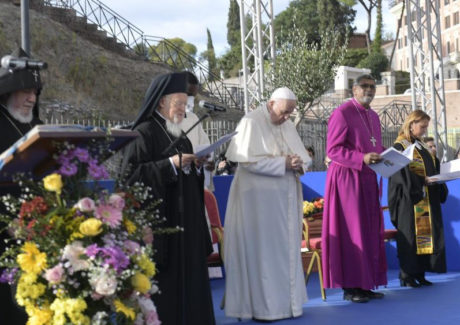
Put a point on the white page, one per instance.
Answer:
(393, 160)
(209, 149)
(449, 171)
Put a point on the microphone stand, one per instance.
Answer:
(165, 152)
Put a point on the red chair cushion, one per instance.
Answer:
(389, 234)
(315, 243)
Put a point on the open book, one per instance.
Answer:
(393, 160)
(34, 151)
(209, 149)
(449, 171)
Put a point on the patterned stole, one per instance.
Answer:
(422, 210)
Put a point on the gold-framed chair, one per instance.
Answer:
(311, 248)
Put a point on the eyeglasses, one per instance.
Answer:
(365, 86)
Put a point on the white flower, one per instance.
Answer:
(86, 205)
(73, 253)
(104, 284)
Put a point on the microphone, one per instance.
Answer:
(214, 107)
(10, 62)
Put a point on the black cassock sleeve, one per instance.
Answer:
(404, 190)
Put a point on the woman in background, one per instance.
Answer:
(415, 206)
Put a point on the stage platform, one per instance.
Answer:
(435, 305)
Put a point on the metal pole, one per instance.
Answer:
(25, 39)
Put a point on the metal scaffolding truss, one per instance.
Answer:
(257, 44)
(426, 80)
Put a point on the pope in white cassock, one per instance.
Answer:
(263, 221)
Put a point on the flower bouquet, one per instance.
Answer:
(81, 255)
(312, 208)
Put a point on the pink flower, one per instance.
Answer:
(86, 205)
(131, 247)
(147, 235)
(108, 215)
(117, 201)
(55, 274)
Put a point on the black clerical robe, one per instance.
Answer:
(405, 189)
(183, 280)
(11, 131)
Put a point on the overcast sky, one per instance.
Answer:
(188, 19)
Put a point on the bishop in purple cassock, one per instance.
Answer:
(352, 238)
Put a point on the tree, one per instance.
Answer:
(210, 56)
(368, 5)
(308, 15)
(233, 24)
(377, 43)
(377, 62)
(308, 69)
(175, 52)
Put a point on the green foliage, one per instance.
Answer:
(230, 62)
(314, 17)
(233, 24)
(377, 43)
(210, 56)
(377, 62)
(308, 69)
(402, 81)
(171, 50)
(354, 56)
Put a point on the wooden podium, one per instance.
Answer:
(34, 152)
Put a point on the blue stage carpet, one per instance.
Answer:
(435, 305)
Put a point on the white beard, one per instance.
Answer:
(174, 127)
(18, 116)
(367, 99)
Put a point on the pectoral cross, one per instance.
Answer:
(373, 141)
(35, 74)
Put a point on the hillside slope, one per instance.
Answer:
(83, 79)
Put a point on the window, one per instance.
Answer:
(456, 45)
(456, 74)
(448, 47)
(446, 2)
(399, 43)
(407, 63)
(405, 40)
(455, 19)
(446, 22)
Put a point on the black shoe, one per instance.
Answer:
(422, 281)
(355, 295)
(261, 320)
(373, 294)
(409, 282)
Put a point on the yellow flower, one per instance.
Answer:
(32, 260)
(146, 265)
(122, 308)
(53, 183)
(39, 316)
(141, 283)
(130, 226)
(91, 227)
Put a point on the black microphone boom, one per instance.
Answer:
(10, 62)
(211, 106)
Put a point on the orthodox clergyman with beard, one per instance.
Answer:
(19, 91)
(185, 294)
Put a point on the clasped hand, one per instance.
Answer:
(293, 162)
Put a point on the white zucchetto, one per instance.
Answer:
(283, 93)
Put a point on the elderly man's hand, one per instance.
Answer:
(187, 159)
(293, 162)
